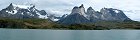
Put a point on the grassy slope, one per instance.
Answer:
(46, 24)
(26, 23)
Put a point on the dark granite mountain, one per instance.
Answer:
(113, 14)
(106, 14)
(78, 15)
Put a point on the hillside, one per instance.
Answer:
(47, 24)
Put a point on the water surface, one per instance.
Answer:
(36, 34)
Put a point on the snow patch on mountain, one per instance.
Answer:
(116, 11)
(12, 12)
(42, 16)
(55, 19)
(23, 6)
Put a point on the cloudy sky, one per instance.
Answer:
(59, 7)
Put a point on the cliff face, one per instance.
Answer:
(110, 14)
(78, 15)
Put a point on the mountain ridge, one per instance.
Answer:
(78, 14)
(14, 11)
(92, 16)
(25, 12)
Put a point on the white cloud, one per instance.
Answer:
(60, 7)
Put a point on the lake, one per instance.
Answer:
(38, 34)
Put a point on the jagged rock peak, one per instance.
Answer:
(11, 4)
(80, 10)
(103, 9)
(10, 7)
(90, 8)
(90, 11)
(76, 7)
(81, 6)
(33, 5)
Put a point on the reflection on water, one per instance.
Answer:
(27, 34)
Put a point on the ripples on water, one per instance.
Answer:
(36, 34)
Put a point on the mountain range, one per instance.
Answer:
(25, 12)
(77, 16)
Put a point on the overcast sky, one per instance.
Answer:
(59, 7)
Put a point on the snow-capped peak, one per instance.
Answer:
(23, 6)
(25, 11)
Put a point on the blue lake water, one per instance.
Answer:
(36, 34)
